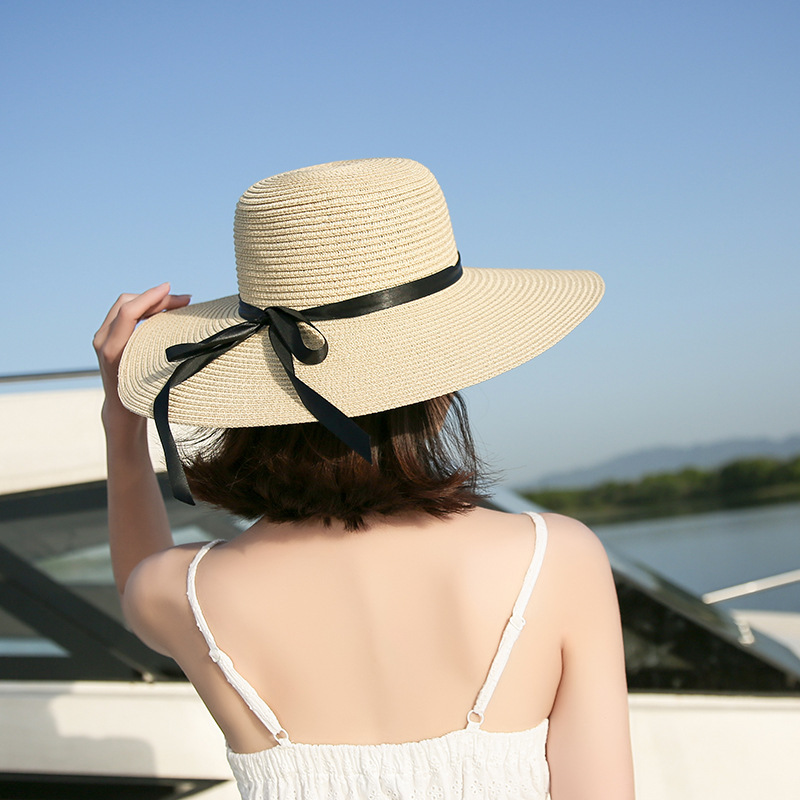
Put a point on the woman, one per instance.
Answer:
(344, 642)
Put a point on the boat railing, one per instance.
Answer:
(752, 587)
(32, 377)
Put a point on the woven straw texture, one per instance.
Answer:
(335, 231)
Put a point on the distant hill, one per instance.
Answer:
(632, 466)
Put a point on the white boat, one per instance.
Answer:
(88, 711)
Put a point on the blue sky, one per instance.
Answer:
(657, 143)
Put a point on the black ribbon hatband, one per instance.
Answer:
(287, 342)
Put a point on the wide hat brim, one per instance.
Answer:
(488, 322)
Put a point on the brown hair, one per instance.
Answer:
(423, 459)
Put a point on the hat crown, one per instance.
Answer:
(334, 231)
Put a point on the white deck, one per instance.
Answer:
(54, 438)
(708, 747)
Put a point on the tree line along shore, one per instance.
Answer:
(737, 484)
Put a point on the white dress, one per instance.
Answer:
(466, 764)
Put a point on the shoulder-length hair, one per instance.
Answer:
(423, 459)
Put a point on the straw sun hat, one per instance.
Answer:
(326, 234)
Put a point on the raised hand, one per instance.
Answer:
(116, 330)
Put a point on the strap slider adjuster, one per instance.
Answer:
(517, 622)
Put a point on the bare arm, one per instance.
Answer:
(588, 747)
(137, 519)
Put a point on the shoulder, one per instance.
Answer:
(571, 540)
(154, 600)
(577, 570)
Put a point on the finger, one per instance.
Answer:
(114, 310)
(129, 309)
(170, 302)
(130, 314)
(124, 299)
(124, 316)
(140, 305)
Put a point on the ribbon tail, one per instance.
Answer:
(175, 472)
(185, 370)
(338, 423)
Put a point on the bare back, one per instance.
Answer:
(360, 638)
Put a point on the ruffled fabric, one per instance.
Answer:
(462, 765)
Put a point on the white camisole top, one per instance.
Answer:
(465, 764)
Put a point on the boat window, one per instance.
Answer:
(60, 616)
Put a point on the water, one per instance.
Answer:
(703, 552)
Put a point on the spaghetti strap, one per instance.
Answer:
(513, 627)
(224, 662)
